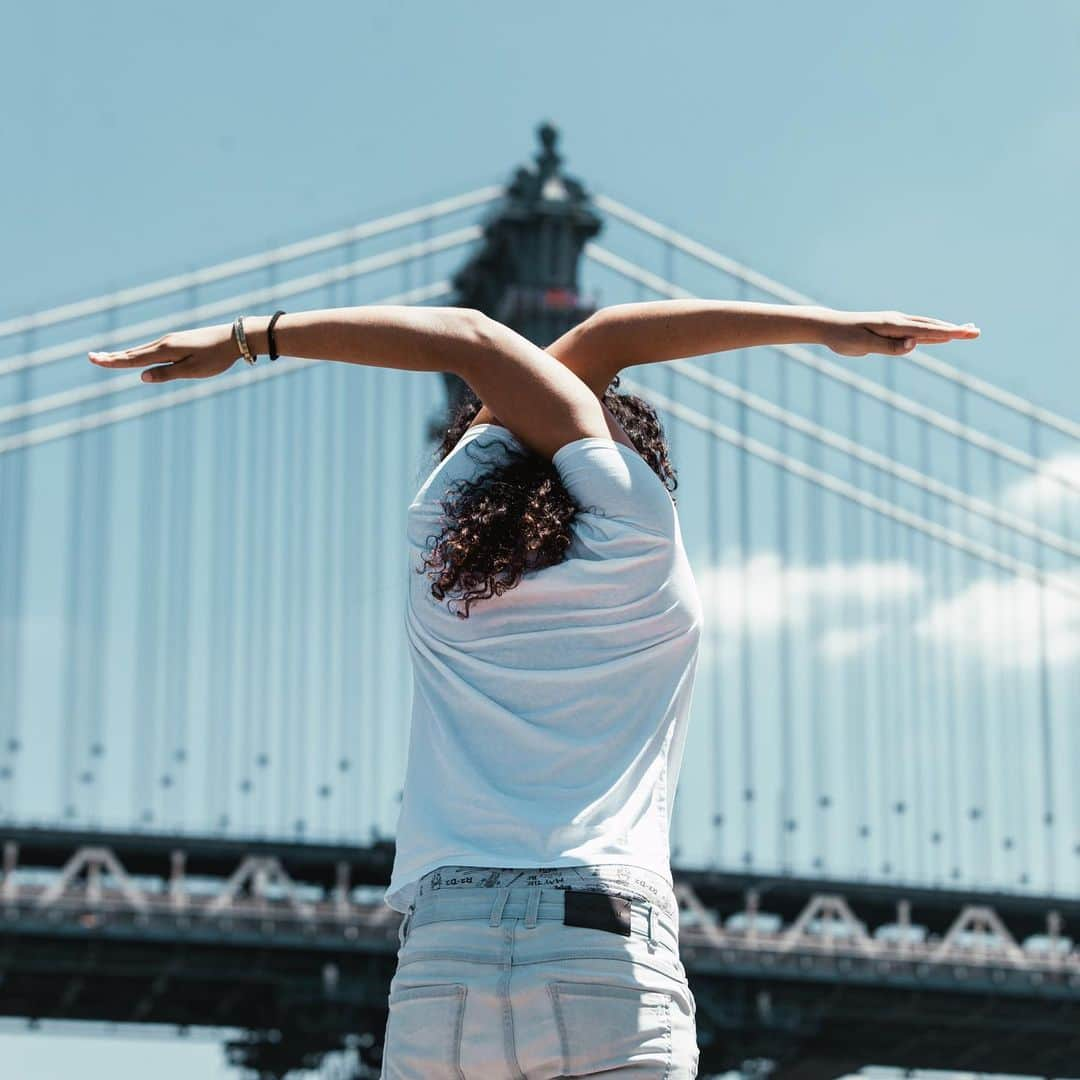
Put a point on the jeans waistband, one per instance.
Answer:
(622, 879)
(532, 904)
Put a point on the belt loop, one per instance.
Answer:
(497, 910)
(533, 906)
(403, 926)
(652, 940)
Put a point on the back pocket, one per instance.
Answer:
(603, 1027)
(423, 1033)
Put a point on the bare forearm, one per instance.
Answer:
(380, 335)
(659, 330)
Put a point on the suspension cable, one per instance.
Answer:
(835, 372)
(248, 263)
(849, 491)
(117, 384)
(846, 446)
(735, 269)
(227, 306)
(202, 388)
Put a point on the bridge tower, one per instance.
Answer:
(525, 272)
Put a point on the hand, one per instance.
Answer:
(186, 354)
(856, 333)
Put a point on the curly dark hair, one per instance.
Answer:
(516, 517)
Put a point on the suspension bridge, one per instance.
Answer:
(205, 687)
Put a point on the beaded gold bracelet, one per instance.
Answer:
(241, 339)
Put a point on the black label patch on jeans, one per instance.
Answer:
(597, 911)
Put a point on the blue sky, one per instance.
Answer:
(922, 156)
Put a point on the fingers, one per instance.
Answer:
(926, 337)
(153, 352)
(924, 332)
(921, 323)
(181, 369)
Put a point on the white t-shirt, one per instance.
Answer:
(548, 727)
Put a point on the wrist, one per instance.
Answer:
(255, 327)
(816, 323)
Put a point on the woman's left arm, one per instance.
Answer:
(623, 335)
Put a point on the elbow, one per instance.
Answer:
(467, 335)
(470, 320)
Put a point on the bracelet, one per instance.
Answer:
(271, 343)
(241, 339)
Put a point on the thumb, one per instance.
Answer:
(161, 374)
(890, 344)
(894, 346)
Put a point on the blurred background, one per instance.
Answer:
(204, 679)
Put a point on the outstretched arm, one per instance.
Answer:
(542, 402)
(535, 394)
(623, 335)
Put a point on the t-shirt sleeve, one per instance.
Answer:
(607, 478)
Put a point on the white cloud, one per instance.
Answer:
(843, 642)
(763, 594)
(1041, 492)
(995, 619)
(999, 621)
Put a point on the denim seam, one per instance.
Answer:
(458, 1029)
(668, 1038)
(467, 957)
(553, 993)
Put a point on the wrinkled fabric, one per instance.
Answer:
(548, 727)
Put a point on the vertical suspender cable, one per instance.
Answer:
(719, 653)
(250, 636)
(1024, 745)
(178, 621)
(918, 553)
(70, 731)
(884, 714)
(1075, 729)
(953, 562)
(977, 712)
(896, 744)
(219, 716)
(355, 639)
(261, 732)
(816, 684)
(14, 521)
(1007, 758)
(786, 697)
(860, 695)
(308, 723)
(933, 671)
(99, 565)
(285, 657)
(1045, 707)
(148, 546)
(747, 669)
(374, 572)
(328, 469)
(346, 645)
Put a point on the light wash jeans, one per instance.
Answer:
(492, 984)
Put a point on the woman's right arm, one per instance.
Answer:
(381, 335)
(541, 401)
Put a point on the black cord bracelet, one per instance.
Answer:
(270, 343)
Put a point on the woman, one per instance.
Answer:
(554, 625)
